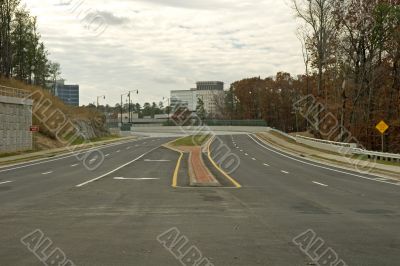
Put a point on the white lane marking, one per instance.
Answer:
(74, 165)
(266, 164)
(123, 178)
(318, 166)
(144, 142)
(107, 155)
(118, 151)
(320, 184)
(381, 179)
(253, 159)
(92, 160)
(237, 148)
(60, 157)
(6, 182)
(128, 148)
(241, 150)
(246, 154)
(116, 169)
(136, 145)
(149, 160)
(47, 173)
(285, 172)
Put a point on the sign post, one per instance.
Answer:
(382, 127)
(33, 130)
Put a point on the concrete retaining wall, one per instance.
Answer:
(15, 120)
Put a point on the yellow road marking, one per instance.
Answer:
(178, 163)
(237, 185)
(175, 177)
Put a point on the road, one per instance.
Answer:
(115, 214)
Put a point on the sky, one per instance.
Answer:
(154, 46)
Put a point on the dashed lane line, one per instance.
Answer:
(118, 168)
(320, 184)
(47, 173)
(262, 143)
(5, 182)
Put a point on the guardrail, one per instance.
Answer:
(341, 144)
(383, 156)
(282, 133)
(341, 147)
(14, 92)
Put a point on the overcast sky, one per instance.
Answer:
(109, 47)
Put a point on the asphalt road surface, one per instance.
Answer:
(127, 213)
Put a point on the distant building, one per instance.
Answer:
(69, 94)
(210, 86)
(210, 92)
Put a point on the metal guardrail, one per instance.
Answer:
(390, 157)
(351, 147)
(282, 133)
(341, 144)
(14, 92)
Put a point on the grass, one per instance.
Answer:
(196, 140)
(8, 154)
(79, 140)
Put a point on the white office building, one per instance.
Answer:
(210, 92)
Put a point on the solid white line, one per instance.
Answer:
(320, 184)
(149, 160)
(59, 157)
(46, 173)
(116, 169)
(318, 166)
(123, 178)
(6, 182)
(74, 165)
(284, 172)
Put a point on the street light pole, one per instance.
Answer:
(168, 107)
(129, 103)
(103, 96)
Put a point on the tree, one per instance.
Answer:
(55, 72)
(201, 112)
(319, 35)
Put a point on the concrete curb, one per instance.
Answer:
(195, 180)
(54, 153)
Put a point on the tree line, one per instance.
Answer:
(23, 55)
(351, 52)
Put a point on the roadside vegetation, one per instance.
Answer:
(195, 140)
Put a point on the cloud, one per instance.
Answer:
(157, 46)
(110, 18)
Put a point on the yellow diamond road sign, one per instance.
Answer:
(382, 127)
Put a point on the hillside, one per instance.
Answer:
(60, 125)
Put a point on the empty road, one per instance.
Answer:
(119, 213)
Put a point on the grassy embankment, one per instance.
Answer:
(196, 140)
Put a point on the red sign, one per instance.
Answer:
(34, 128)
